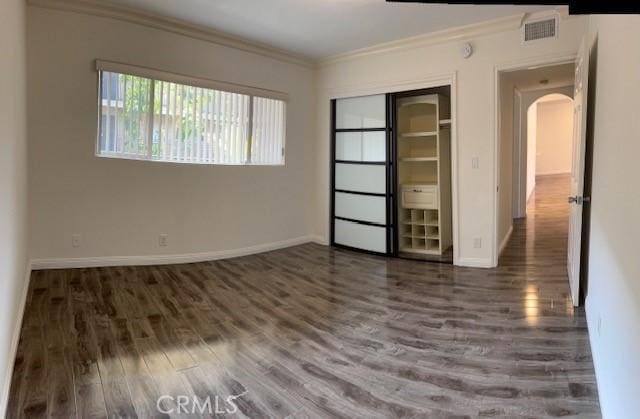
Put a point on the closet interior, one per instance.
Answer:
(391, 174)
(423, 144)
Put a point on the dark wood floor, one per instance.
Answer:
(314, 332)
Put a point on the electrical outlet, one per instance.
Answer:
(163, 240)
(475, 163)
(477, 243)
(75, 240)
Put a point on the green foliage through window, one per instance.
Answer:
(188, 123)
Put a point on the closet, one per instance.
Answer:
(424, 174)
(391, 174)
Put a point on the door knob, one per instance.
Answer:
(575, 200)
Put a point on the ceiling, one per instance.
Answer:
(322, 28)
(556, 76)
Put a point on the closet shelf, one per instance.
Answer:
(413, 236)
(430, 223)
(410, 159)
(429, 251)
(418, 184)
(421, 237)
(419, 134)
(418, 102)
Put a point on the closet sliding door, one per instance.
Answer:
(360, 183)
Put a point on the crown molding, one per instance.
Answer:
(107, 9)
(458, 33)
(389, 86)
(446, 35)
(128, 14)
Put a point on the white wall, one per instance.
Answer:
(614, 267)
(13, 183)
(119, 207)
(532, 137)
(554, 137)
(394, 68)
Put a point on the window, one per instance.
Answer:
(151, 116)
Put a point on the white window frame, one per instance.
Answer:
(159, 75)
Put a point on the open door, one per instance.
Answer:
(577, 170)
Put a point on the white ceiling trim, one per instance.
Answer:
(458, 33)
(181, 27)
(390, 86)
(152, 20)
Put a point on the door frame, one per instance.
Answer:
(519, 186)
(447, 79)
(541, 61)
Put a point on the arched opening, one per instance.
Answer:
(548, 138)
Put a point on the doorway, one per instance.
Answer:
(520, 90)
(548, 138)
(520, 93)
(536, 161)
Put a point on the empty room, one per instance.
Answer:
(319, 209)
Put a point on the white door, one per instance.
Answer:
(577, 170)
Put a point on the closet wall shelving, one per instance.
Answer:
(424, 174)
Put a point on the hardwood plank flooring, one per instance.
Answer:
(310, 332)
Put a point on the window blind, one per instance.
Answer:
(153, 118)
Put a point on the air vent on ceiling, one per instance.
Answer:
(540, 29)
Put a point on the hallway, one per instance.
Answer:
(539, 241)
(311, 331)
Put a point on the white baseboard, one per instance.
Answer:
(13, 349)
(505, 240)
(529, 195)
(475, 263)
(101, 261)
(320, 240)
(592, 328)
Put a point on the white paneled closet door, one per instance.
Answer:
(360, 184)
